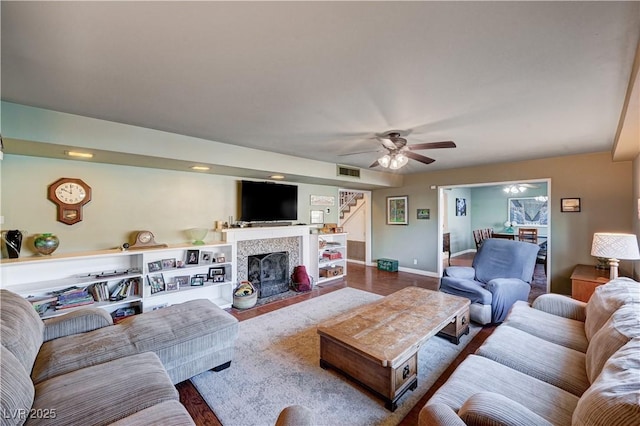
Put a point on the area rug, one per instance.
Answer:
(276, 364)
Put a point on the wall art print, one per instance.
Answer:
(531, 211)
(461, 206)
(397, 210)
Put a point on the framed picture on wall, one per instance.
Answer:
(424, 214)
(532, 211)
(317, 216)
(570, 205)
(397, 210)
(461, 206)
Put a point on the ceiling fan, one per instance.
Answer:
(399, 153)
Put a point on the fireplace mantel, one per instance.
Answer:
(266, 232)
(234, 235)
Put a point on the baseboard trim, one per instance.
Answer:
(404, 269)
(459, 253)
(419, 272)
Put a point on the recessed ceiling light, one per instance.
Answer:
(79, 154)
(276, 177)
(202, 168)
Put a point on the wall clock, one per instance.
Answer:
(70, 195)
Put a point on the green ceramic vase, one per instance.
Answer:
(46, 244)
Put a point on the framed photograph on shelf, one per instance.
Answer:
(218, 271)
(206, 257)
(197, 280)
(218, 278)
(182, 280)
(220, 259)
(397, 210)
(155, 266)
(193, 257)
(172, 285)
(570, 205)
(168, 263)
(156, 281)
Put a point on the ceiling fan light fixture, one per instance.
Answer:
(393, 165)
(402, 159)
(384, 160)
(515, 189)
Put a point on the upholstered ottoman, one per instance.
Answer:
(189, 338)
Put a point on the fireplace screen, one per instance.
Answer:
(269, 273)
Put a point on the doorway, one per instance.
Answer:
(486, 205)
(355, 218)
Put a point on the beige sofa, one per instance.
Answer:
(79, 368)
(557, 362)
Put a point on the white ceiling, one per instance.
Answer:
(506, 81)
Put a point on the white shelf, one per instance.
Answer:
(41, 275)
(59, 284)
(111, 306)
(335, 242)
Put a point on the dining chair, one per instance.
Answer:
(479, 235)
(529, 235)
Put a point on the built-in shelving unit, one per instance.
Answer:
(330, 262)
(40, 276)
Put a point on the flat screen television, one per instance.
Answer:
(268, 202)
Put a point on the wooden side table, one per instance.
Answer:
(446, 244)
(585, 279)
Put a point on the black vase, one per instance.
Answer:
(13, 242)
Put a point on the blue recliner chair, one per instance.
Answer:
(500, 275)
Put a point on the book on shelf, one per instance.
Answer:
(75, 304)
(42, 303)
(72, 297)
(99, 291)
(123, 289)
(122, 313)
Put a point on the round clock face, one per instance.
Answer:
(145, 237)
(70, 193)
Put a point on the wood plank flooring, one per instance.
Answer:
(361, 277)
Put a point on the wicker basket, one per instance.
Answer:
(245, 301)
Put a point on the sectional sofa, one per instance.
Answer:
(80, 368)
(556, 362)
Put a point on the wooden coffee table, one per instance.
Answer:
(377, 344)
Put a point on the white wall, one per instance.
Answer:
(124, 199)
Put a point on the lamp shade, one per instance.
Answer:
(615, 246)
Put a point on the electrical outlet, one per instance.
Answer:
(415, 261)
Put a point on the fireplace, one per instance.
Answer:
(269, 273)
(293, 240)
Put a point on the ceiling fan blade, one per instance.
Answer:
(374, 164)
(431, 145)
(418, 157)
(359, 152)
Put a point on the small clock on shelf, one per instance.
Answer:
(70, 195)
(145, 240)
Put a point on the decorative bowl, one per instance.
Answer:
(198, 235)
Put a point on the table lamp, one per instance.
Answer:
(509, 226)
(615, 247)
